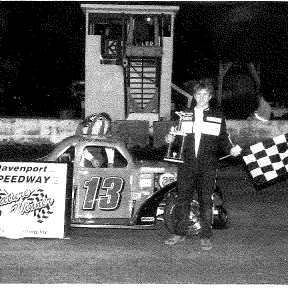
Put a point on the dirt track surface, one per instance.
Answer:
(254, 250)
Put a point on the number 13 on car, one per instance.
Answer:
(98, 196)
(107, 192)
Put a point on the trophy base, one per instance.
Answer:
(173, 160)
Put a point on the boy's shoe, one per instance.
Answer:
(174, 240)
(206, 244)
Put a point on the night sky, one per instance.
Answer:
(43, 44)
(210, 32)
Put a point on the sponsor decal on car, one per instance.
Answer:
(166, 179)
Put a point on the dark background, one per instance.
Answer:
(43, 49)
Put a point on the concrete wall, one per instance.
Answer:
(250, 132)
(134, 133)
(242, 132)
(35, 131)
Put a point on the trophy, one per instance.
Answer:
(185, 126)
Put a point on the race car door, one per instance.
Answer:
(102, 191)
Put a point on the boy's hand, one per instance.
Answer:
(236, 151)
(169, 138)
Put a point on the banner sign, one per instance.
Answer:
(32, 199)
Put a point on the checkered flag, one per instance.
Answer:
(267, 161)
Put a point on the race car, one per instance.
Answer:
(114, 194)
(110, 188)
